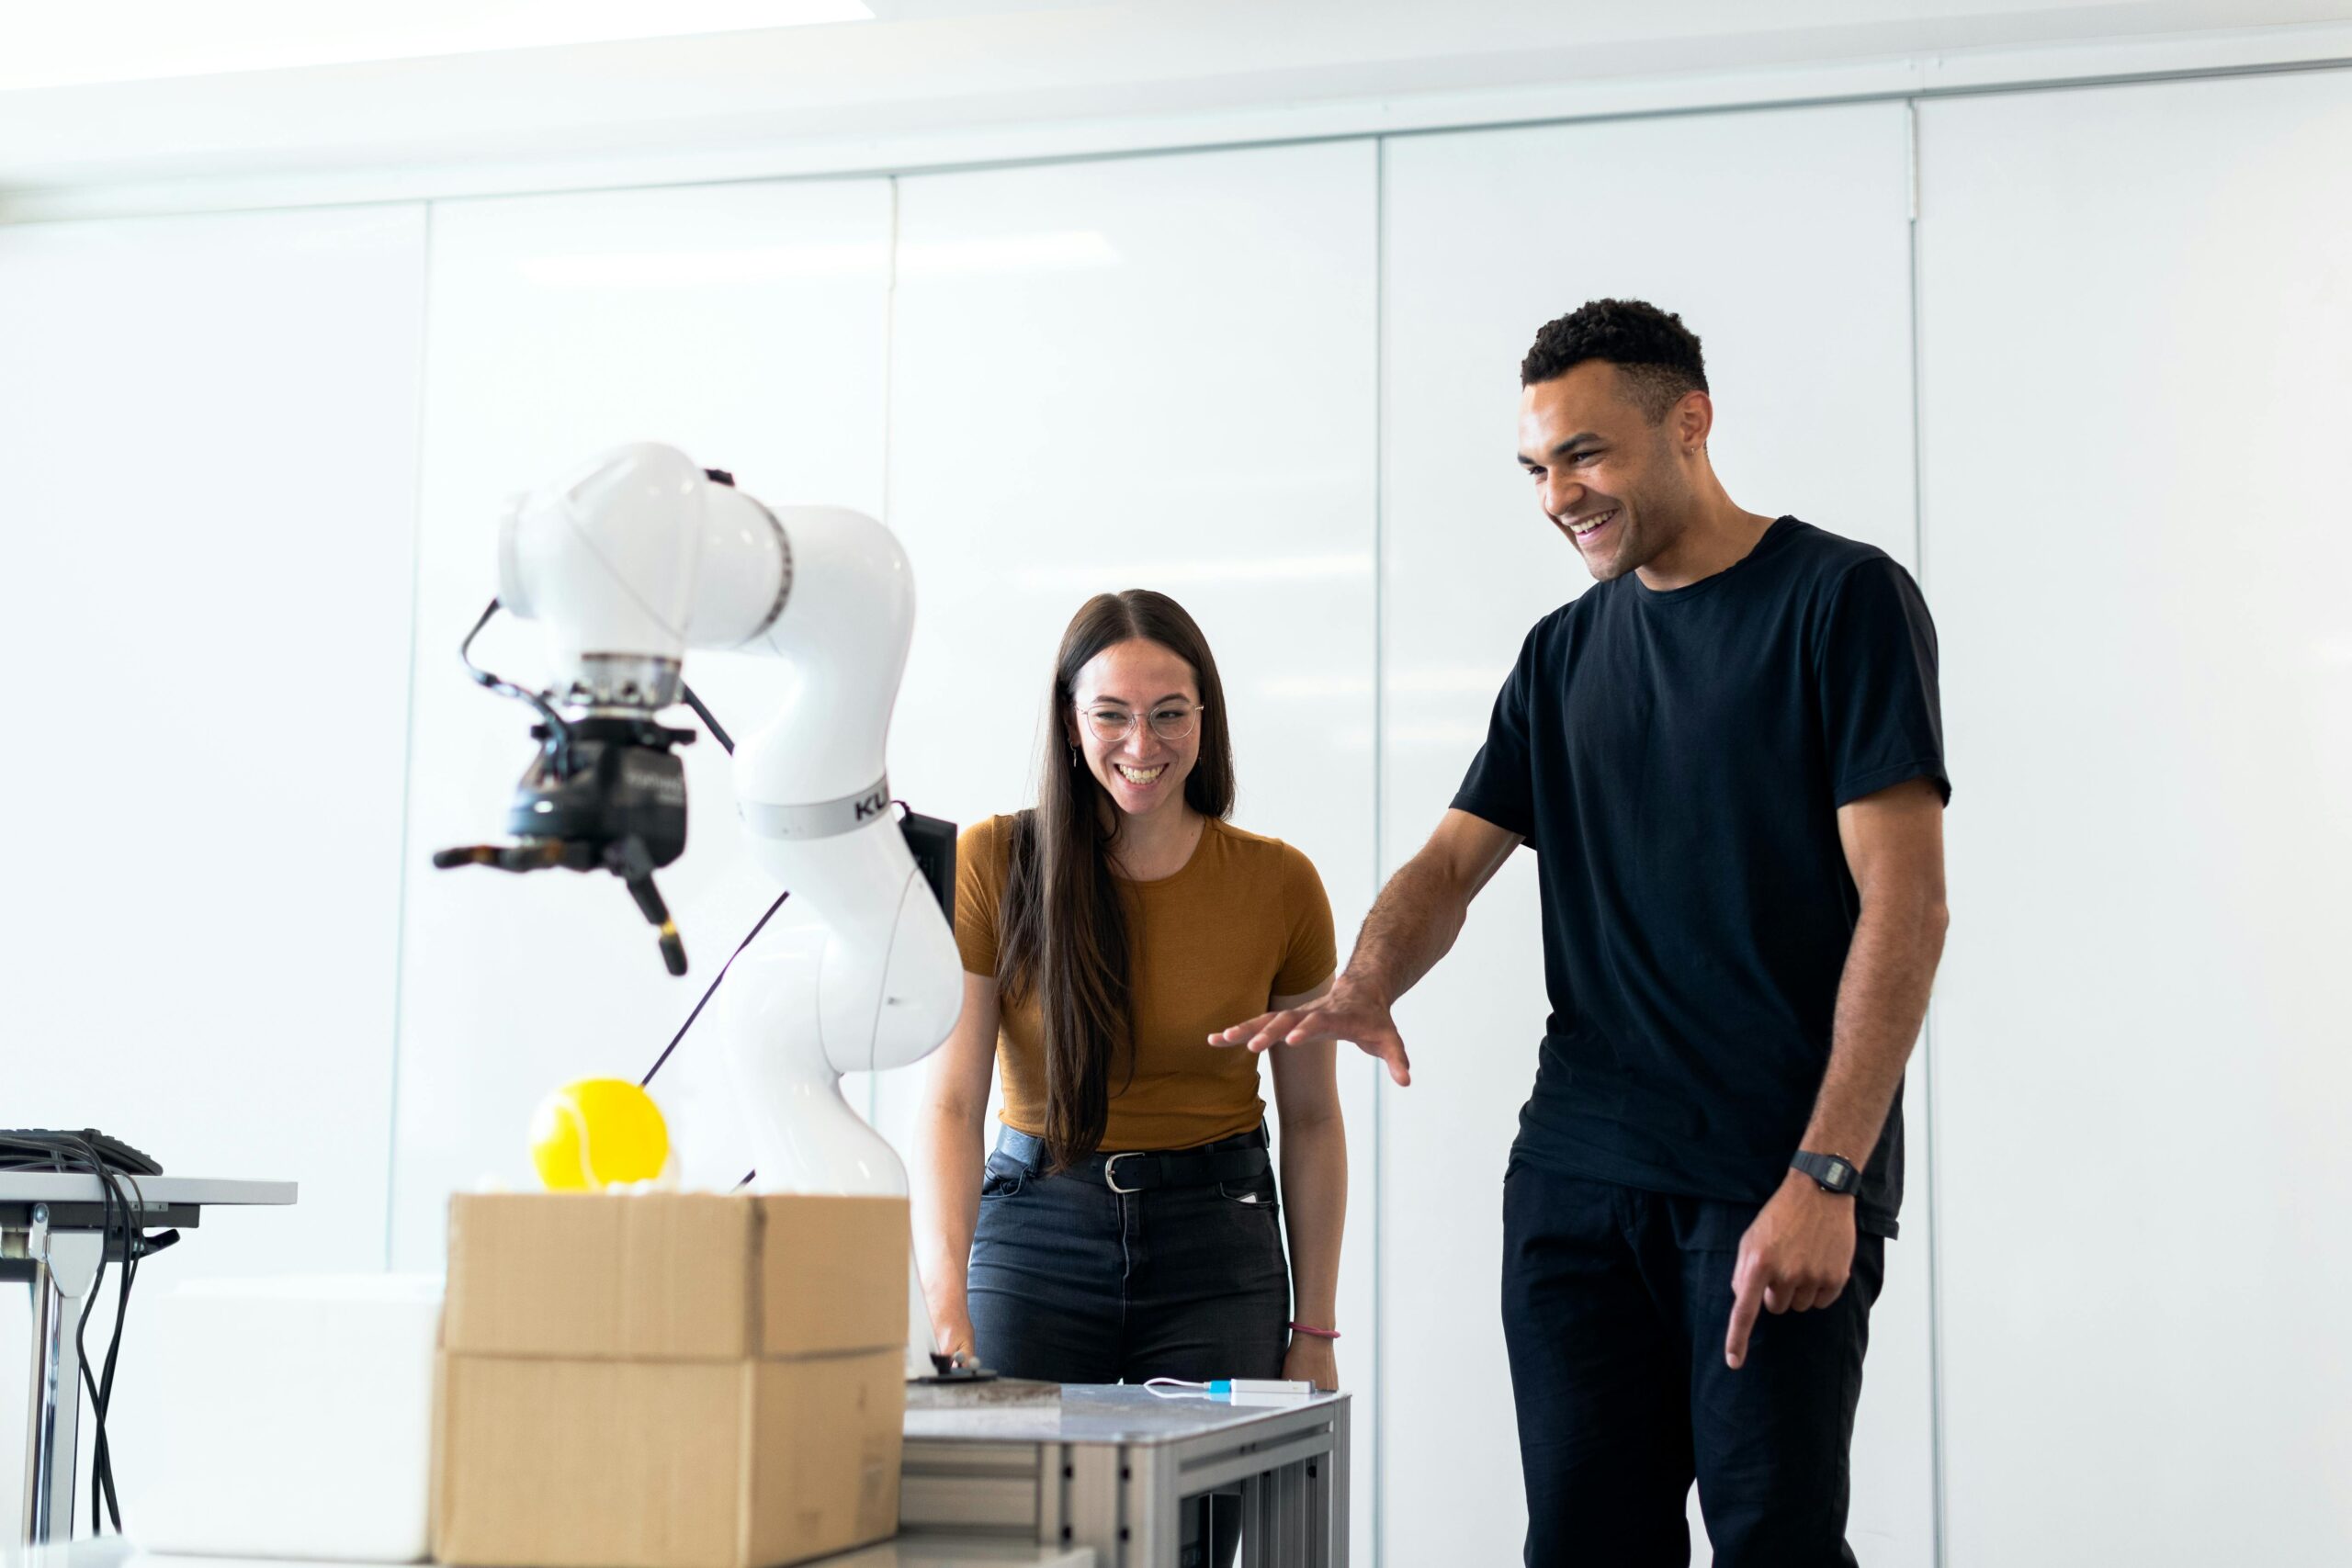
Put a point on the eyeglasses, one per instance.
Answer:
(1169, 721)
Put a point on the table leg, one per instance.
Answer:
(1305, 1531)
(1316, 1512)
(1335, 1478)
(65, 1265)
(1154, 1517)
(1095, 1502)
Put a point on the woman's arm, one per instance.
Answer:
(1314, 1191)
(948, 1157)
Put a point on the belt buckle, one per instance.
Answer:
(1110, 1172)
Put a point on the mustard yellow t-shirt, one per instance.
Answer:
(1244, 922)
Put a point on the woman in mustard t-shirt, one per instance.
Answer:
(1126, 1225)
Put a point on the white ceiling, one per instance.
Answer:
(367, 84)
(126, 41)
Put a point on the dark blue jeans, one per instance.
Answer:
(1073, 1283)
(1615, 1305)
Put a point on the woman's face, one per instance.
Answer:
(1126, 684)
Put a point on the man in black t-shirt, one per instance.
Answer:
(1729, 757)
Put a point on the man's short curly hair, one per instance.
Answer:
(1658, 354)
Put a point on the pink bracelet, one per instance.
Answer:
(1318, 1333)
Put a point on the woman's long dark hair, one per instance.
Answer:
(1063, 934)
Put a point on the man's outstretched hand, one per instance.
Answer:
(1347, 1011)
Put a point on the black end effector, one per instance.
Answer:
(604, 794)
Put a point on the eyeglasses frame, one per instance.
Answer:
(1088, 714)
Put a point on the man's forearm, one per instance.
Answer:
(1882, 1000)
(1411, 926)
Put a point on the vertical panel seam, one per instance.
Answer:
(1377, 1426)
(408, 727)
(889, 386)
(1937, 1528)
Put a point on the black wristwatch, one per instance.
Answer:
(1831, 1173)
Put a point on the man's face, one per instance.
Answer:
(1607, 477)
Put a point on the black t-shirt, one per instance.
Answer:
(1677, 761)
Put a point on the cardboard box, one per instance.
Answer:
(669, 1380)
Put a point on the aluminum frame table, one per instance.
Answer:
(54, 1235)
(1112, 1466)
(905, 1551)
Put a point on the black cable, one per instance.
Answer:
(709, 723)
(559, 732)
(101, 1480)
(132, 1244)
(102, 1487)
(718, 733)
(712, 989)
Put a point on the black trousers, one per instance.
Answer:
(1615, 1305)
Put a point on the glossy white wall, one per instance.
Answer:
(1782, 239)
(1150, 373)
(209, 426)
(2136, 346)
(746, 324)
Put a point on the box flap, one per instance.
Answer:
(834, 1274)
(659, 1276)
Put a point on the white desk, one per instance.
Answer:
(52, 1237)
(1109, 1467)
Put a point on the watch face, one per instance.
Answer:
(1829, 1173)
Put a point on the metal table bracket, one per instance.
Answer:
(53, 1236)
(60, 1268)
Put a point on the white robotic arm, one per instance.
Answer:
(626, 564)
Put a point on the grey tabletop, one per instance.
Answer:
(960, 1551)
(1099, 1413)
(906, 1552)
(151, 1191)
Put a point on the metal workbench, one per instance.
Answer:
(907, 1552)
(1111, 1467)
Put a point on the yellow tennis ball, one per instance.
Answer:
(597, 1132)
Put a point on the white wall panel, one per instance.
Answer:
(1155, 373)
(1781, 239)
(747, 325)
(209, 426)
(2136, 312)
(208, 429)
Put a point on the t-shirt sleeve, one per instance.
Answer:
(1500, 785)
(979, 890)
(1881, 713)
(1310, 952)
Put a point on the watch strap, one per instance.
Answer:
(1831, 1173)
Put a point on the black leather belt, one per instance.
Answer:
(1143, 1170)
